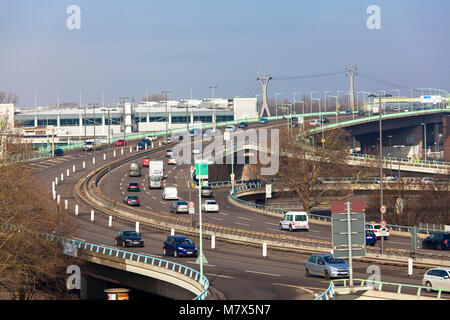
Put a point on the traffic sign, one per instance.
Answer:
(191, 208)
(201, 170)
(268, 191)
(383, 224)
(383, 209)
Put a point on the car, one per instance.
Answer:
(379, 232)
(325, 120)
(348, 112)
(131, 200)
(229, 128)
(197, 150)
(88, 145)
(146, 162)
(134, 169)
(294, 220)
(371, 238)
(169, 153)
(209, 132)
(437, 240)
(141, 145)
(170, 193)
(361, 113)
(314, 122)
(152, 137)
(129, 238)
(438, 278)
(195, 132)
(167, 140)
(179, 246)
(263, 120)
(172, 160)
(179, 207)
(254, 181)
(133, 186)
(210, 206)
(120, 142)
(326, 266)
(57, 152)
(243, 124)
(426, 180)
(207, 191)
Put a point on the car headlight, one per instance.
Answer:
(180, 248)
(127, 240)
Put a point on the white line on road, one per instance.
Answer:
(263, 273)
(245, 218)
(271, 223)
(219, 276)
(218, 219)
(404, 244)
(223, 213)
(242, 224)
(154, 198)
(149, 207)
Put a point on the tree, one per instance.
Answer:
(27, 260)
(306, 161)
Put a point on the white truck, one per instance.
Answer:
(156, 169)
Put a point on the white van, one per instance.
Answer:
(170, 193)
(294, 220)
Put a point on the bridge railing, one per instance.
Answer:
(153, 261)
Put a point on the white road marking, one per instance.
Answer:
(154, 198)
(165, 212)
(223, 213)
(162, 202)
(209, 265)
(245, 218)
(272, 229)
(404, 244)
(219, 276)
(263, 273)
(149, 207)
(242, 224)
(218, 219)
(271, 223)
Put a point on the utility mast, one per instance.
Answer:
(264, 80)
(351, 73)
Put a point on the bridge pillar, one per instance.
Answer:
(446, 137)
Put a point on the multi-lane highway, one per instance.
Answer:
(239, 272)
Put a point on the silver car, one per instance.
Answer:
(207, 191)
(326, 266)
(438, 278)
(179, 207)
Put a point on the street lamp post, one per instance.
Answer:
(293, 98)
(214, 108)
(166, 92)
(425, 139)
(381, 158)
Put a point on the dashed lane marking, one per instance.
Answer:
(263, 273)
(242, 224)
(219, 276)
(245, 218)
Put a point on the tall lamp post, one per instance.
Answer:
(166, 92)
(381, 155)
(214, 108)
(425, 140)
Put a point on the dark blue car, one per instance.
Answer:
(58, 152)
(371, 238)
(263, 120)
(179, 246)
(437, 240)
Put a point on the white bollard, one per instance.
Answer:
(172, 232)
(58, 199)
(93, 160)
(104, 156)
(137, 226)
(145, 146)
(54, 195)
(137, 148)
(56, 181)
(92, 215)
(68, 172)
(53, 186)
(84, 164)
(410, 266)
(264, 249)
(121, 151)
(62, 177)
(66, 204)
(114, 153)
(152, 145)
(160, 143)
(131, 149)
(213, 242)
(76, 209)
(110, 221)
(73, 168)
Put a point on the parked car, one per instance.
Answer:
(146, 162)
(179, 207)
(152, 137)
(57, 152)
(210, 206)
(207, 191)
(131, 200)
(172, 160)
(326, 266)
(263, 120)
(120, 142)
(243, 124)
(179, 246)
(170, 193)
(294, 220)
(379, 232)
(371, 238)
(438, 278)
(129, 238)
(437, 240)
(133, 186)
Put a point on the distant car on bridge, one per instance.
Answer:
(129, 238)
(437, 240)
(120, 142)
(263, 120)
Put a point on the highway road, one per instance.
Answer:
(239, 272)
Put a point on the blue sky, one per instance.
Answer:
(128, 47)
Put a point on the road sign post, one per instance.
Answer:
(201, 172)
(348, 231)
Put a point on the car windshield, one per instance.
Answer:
(155, 178)
(300, 218)
(183, 241)
(130, 234)
(211, 202)
(133, 184)
(182, 203)
(331, 260)
(133, 198)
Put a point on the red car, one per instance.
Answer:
(145, 162)
(120, 142)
